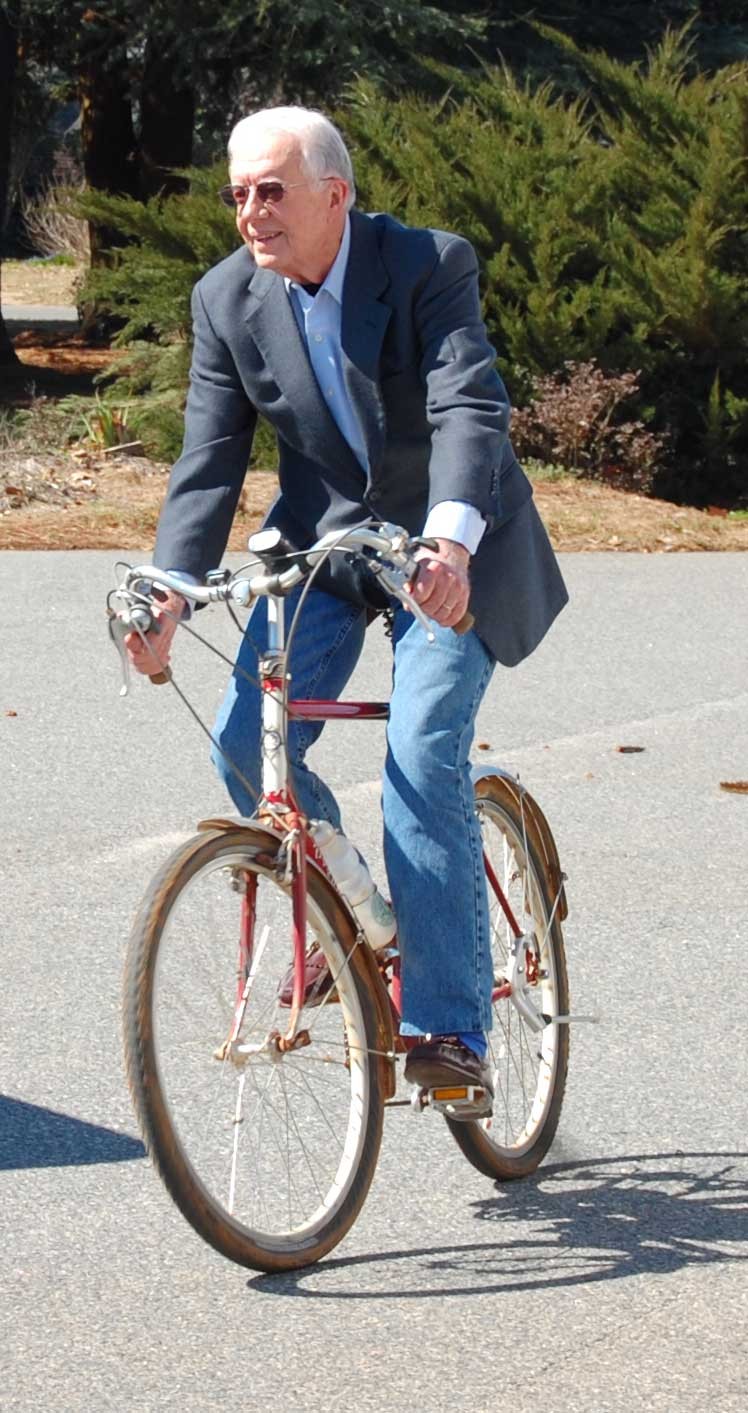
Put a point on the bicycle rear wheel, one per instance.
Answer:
(529, 1067)
(269, 1155)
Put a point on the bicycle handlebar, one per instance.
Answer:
(391, 540)
(393, 563)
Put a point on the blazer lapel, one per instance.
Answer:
(364, 322)
(306, 422)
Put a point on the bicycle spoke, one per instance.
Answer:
(524, 1061)
(275, 1137)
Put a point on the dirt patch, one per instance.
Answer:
(94, 501)
(52, 367)
(74, 357)
(38, 282)
(80, 498)
(88, 500)
(583, 515)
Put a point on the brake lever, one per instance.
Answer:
(117, 634)
(134, 618)
(396, 581)
(405, 571)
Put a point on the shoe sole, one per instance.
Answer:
(430, 1074)
(440, 1081)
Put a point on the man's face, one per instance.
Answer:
(298, 236)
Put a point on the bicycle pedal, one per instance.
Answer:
(458, 1101)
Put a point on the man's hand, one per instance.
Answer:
(150, 655)
(442, 587)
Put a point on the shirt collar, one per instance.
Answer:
(335, 278)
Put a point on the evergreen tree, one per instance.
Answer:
(609, 229)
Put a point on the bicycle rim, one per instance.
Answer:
(529, 1067)
(269, 1155)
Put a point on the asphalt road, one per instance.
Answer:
(44, 318)
(615, 1279)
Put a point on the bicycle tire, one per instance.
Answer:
(513, 1142)
(174, 1083)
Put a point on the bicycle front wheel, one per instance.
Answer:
(529, 1067)
(268, 1154)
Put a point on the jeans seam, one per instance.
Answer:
(467, 807)
(474, 870)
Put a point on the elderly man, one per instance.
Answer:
(361, 341)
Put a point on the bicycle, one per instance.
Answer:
(264, 1119)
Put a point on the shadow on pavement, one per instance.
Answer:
(33, 1137)
(570, 1224)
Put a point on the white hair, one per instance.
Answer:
(323, 151)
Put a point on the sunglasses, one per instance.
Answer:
(270, 193)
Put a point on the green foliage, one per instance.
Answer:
(173, 241)
(544, 471)
(239, 55)
(60, 259)
(611, 228)
(614, 229)
(105, 423)
(147, 286)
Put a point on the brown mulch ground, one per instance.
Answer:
(586, 515)
(88, 500)
(82, 498)
(92, 501)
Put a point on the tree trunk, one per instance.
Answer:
(108, 143)
(8, 356)
(167, 116)
(8, 68)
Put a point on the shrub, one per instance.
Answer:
(574, 420)
(612, 231)
(51, 225)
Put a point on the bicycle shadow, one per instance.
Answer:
(36, 1137)
(572, 1223)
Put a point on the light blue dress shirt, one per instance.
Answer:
(319, 318)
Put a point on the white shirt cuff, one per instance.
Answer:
(455, 520)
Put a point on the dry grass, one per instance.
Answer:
(93, 501)
(111, 503)
(78, 498)
(37, 282)
(585, 515)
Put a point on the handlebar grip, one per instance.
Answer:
(465, 623)
(159, 678)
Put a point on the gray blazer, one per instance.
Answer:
(420, 373)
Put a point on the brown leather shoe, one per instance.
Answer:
(317, 979)
(445, 1063)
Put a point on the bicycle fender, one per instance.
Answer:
(486, 777)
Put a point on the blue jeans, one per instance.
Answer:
(432, 845)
